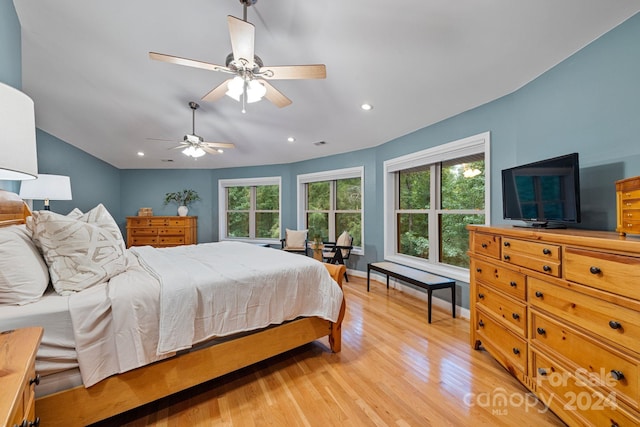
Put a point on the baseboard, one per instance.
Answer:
(416, 293)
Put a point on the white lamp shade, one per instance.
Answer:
(18, 157)
(46, 187)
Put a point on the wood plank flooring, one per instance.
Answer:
(395, 369)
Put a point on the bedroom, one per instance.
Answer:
(587, 103)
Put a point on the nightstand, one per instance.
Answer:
(18, 376)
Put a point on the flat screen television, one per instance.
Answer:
(544, 193)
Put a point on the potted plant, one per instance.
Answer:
(183, 198)
(317, 246)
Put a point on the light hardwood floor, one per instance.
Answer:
(395, 369)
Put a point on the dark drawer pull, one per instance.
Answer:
(507, 244)
(515, 316)
(516, 350)
(507, 257)
(617, 375)
(539, 294)
(595, 270)
(484, 246)
(35, 423)
(546, 268)
(35, 380)
(481, 324)
(481, 296)
(614, 325)
(478, 270)
(546, 251)
(541, 331)
(542, 371)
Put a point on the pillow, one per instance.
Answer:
(295, 238)
(80, 252)
(23, 273)
(344, 240)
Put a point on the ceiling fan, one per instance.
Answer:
(194, 145)
(250, 81)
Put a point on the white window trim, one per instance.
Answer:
(223, 184)
(475, 144)
(355, 172)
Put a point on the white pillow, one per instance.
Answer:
(295, 238)
(344, 240)
(23, 274)
(80, 252)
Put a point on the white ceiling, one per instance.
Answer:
(85, 63)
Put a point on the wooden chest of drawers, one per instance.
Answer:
(628, 205)
(18, 376)
(560, 310)
(162, 231)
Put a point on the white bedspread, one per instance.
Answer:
(172, 298)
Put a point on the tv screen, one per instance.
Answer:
(544, 193)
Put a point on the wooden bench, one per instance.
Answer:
(416, 277)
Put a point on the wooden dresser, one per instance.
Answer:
(162, 231)
(18, 376)
(560, 310)
(628, 205)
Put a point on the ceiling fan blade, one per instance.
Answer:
(187, 62)
(177, 147)
(218, 144)
(217, 92)
(209, 150)
(283, 72)
(242, 35)
(275, 96)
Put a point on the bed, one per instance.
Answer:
(79, 385)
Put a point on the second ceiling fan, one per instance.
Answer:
(250, 82)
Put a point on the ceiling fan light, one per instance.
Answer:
(255, 91)
(188, 151)
(235, 88)
(198, 152)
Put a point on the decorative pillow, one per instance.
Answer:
(295, 238)
(344, 240)
(23, 274)
(80, 252)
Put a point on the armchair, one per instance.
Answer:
(295, 241)
(339, 251)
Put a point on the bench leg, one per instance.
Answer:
(453, 300)
(387, 281)
(368, 277)
(429, 304)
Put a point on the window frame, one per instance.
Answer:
(475, 144)
(332, 175)
(223, 184)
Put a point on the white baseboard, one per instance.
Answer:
(395, 284)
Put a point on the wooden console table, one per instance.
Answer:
(416, 277)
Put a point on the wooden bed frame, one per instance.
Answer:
(81, 406)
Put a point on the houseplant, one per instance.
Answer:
(183, 198)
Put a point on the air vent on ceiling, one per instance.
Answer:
(319, 143)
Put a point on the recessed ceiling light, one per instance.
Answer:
(140, 153)
(291, 139)
(366, 107)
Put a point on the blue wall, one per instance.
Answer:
(589, 104)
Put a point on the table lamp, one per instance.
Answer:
(18, 157)
(47, 187)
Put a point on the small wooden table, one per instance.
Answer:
(416, 277)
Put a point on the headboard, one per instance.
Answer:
(13, 210)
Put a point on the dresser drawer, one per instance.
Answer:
(512, 349)
(544, 251)
(512, 313)
(508, 281)
(142, 241)
(599, 363)
(171, 240)
(618, 274)
(632, 227)
(176, 222)
(171, 231)
(617, 324)
(148, 231)
(631, 215)
(565, 392)
(486, 244)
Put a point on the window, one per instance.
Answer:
(430, 197)
(330, 203)
(249, 208)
